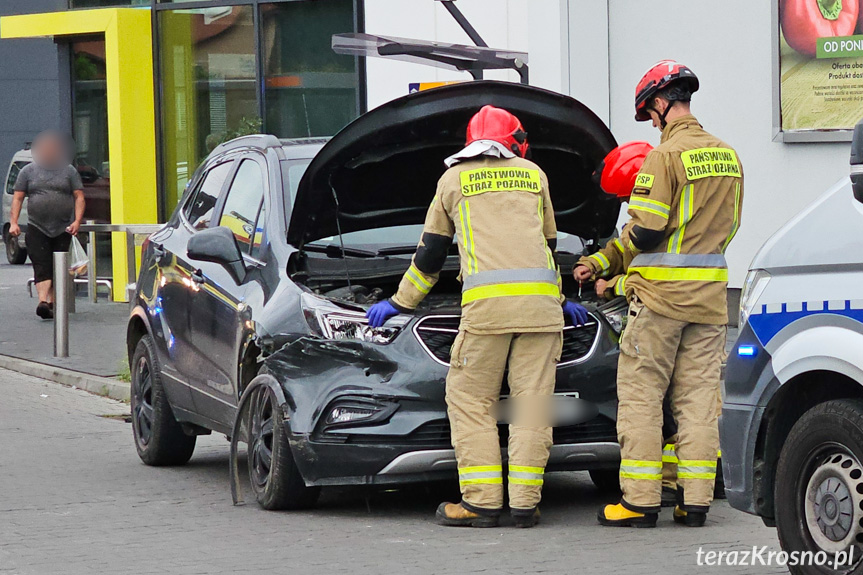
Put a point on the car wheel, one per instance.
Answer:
(819, 485)
(606, 480)
(15, 254)
(273, 473)
(159, 439)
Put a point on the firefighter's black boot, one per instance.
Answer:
(525, 517)
(689, 518)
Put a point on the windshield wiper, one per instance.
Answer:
(397, 250)
(335, 251)
(404, 250)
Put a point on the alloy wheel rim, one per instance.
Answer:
(261, 438)
(142, 409)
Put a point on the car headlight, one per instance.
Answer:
(754, 286)
(616, 312)
(349, 325)
(329, 321)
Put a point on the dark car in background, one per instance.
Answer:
(261, 279)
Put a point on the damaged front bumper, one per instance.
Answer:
(366, 413)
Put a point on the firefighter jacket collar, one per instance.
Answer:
(678, 124)
(479, 148)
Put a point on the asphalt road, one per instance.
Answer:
(74, 499)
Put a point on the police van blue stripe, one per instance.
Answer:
(767, 324)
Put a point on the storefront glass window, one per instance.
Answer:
(208, 74)
(309, 89)
(90, 132)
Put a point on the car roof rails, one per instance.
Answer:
(259, 141)
(471, 59)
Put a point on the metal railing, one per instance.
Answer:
(132, 231)
(64, 284)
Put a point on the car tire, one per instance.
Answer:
(273, 472)
(159, 438)
(819, 484)
(15, 254)
(606, 480)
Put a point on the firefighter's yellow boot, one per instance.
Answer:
(689, 518)
(456, 515)
(620, 516)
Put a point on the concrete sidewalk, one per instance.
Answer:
(97, 332)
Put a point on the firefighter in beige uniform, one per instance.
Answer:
(607, 266)
(685, 210)
(497, 205)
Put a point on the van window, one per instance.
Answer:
(243, 206)
(199, 210)
(14, 170)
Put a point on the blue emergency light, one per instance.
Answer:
(746, 351)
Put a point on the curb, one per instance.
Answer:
(103, 386)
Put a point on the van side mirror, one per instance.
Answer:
(219, 246)
(857, 161)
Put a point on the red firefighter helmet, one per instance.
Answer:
(495, 124)
(660, 76)
(618, 170)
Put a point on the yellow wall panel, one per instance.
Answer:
(131, 107)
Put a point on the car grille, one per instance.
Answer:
(437, 334)
(437, 434)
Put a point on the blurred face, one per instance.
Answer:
(50, 150)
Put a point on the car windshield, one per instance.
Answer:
(393, 240)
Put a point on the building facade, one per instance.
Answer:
(221, 69)
(597, 50)
(228, 67)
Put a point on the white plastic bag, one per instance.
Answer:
(78, 259)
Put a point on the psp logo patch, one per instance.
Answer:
(644, 181)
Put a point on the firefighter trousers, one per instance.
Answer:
(658, 352)
(669, 454)
(473, 388)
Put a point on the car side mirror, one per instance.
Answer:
(857, 161)
(219, 246)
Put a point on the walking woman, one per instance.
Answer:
(54, 211)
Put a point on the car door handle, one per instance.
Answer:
(198, 277)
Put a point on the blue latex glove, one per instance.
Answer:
(576, 313)
(379, 313)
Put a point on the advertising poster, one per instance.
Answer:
(821, 63)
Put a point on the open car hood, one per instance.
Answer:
(384, 166)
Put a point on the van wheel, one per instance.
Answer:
(159, 439)
(273, 473)
(606, 480)
(15, 254)
(819, 485)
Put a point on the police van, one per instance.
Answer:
(792, 419)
